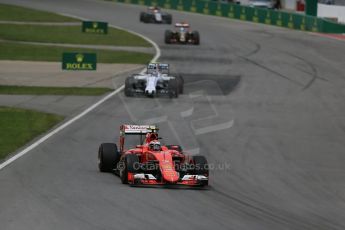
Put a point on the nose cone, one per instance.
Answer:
(158, 16)
(150, 92)
(167, 168)
(183, 37)
(151, 85)
(169, 174)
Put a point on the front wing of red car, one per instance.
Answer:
(149, 179)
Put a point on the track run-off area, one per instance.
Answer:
(265, 105)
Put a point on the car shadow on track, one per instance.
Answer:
(173, 187)
(213, 84)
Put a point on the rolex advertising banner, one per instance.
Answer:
(95, 27)
(79, 61)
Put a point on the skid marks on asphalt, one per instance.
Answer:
(196, 112)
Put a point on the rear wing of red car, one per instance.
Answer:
(137, 129)
(140, 130)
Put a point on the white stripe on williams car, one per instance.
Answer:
(86, 111)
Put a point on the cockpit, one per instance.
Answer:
(153, 68)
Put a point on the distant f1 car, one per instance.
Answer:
(182, 34)
(155, 82)
(149, 162)
(155, 15)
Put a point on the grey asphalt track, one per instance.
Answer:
(278, 93)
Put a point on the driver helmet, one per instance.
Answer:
(155, 146)
(156, 69)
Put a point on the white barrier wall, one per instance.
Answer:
(289, 4)
(286, 4)
(331, 11)
(244, 2)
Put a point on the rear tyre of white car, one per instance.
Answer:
(129, 86)
(173, 88)
(142, 16)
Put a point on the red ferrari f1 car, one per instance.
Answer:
(149, 162)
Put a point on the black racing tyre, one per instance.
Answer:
(150, 18)
(196, 37)
(129, 86)
(173, 88)
(146, 18)
(167, 36)
(175, 147)
(200, 165)
(108, 157)
(168, 19)
(130, 163)
(180, 82)
(142, 16)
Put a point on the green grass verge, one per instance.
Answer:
(36, 90)
(19, 126)
(17, 13)
(69, 34)
(14, 51)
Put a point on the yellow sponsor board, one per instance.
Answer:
(279, 20)
(206, 10)
(255, 16)
(79, 61)
(243, 14)
(95, 27)
(290, 22)
(193, 7)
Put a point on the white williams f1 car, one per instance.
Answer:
(155, 15)
(155, 82)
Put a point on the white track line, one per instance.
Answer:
(86, 111)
